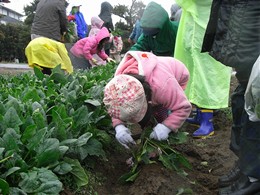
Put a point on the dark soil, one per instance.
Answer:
(210, 158)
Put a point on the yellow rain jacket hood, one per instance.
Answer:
(44, 52)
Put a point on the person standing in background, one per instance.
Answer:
(137, 30)
(117, 46)
(159, 33)
(175, 12)
(50, 20)
(82, 27)
(209, 84)
(233, 38)
(96, 25)
(106, 16)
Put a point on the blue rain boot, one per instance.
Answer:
(206, 125)
(196, 117)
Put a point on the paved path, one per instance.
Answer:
(13, 65)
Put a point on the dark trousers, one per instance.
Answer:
(245, 134)
(46, 70)
(249, 156)
(238, 115)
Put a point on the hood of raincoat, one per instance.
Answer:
(154, 16)
(175, 12)
(96, 22)
(106, 11)
(103, 33)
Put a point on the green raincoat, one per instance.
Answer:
(162, 44)
(209, 82)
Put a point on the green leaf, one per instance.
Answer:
(83, 139)
(40, 181)
(30, 94)
(17, 191)
(38, 73)
(11, 171)
(2, 109)
(81, 116)
(93, 148)
(28, 133)
(184, 161)
(58, 77)
(184, 191)
(68, 142)
(1, 152)
(63, 168)
(129, 177)
(10, 140)
(13, 102)
(79, 174)
(166, 160)
(63, 150)
(103, 137)
(11, 118)
(39, 119)
(36, 139)
(178, 138)
(93, 102)
(48, 152)
(4, 187)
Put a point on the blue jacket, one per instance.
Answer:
(137, 31)
(82, 27)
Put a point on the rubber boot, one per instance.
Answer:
(196, 117)
(206, 125)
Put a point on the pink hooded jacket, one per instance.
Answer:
(86, 47)
(167, 77)
(96, 25)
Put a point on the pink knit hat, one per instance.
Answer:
(125, 99)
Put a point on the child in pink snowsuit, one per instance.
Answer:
(86, 47)
(143, 81)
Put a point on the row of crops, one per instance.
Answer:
(48, 126)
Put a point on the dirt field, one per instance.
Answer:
(209, 157)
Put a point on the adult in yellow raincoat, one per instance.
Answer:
(46, 54)
(209, 84)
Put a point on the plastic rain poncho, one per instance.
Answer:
(209, 82)
(44, 52)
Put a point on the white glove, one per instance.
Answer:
(94, 61)
(123, 136)
(110, 60)
(160, 132)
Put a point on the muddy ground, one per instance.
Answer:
(210, 158)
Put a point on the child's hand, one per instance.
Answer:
(160, 132)
(94, 61)
(123, 136)
(110, 60)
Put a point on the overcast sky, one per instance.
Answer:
(89, 7)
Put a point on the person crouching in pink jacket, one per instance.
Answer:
(86, 47)
(146, 86)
